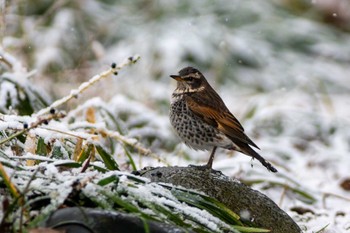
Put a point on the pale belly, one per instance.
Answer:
(193, 131)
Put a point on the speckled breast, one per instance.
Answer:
(192, 129)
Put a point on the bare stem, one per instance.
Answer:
(40, 121)
(85, 85)
(133, 143)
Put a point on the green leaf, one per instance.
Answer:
(210, 204)
(125, 204)
(70, 164)
(15, 167)
(41, 147)
(108, 180)
(107, 158)
(131, 160)
(250, 229)
(85, 153)
(145, 226)
(28, 100)
(56, 152)
(98, 168)
(303, 195)
(174, 216)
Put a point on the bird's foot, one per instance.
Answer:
(201, 167)
(206, 167)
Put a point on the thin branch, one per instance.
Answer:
(84, 86)
(133, 143)
(40, 121)
(325, 195)
(68, 133)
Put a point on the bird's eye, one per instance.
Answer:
(189, 79)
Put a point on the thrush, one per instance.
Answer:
(202, 120)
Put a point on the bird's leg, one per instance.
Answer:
(211, 158)
(208, 166)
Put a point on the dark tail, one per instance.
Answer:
(249, 151)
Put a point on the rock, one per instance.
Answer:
(254, 207)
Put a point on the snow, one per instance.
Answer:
(154, 193)
(284, 75)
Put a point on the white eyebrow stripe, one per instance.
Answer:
(187, 90)
(196, 76)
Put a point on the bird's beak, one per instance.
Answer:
(176, 77)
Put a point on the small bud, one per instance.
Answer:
(52, 111)
(131, 58)
(114, 65)
(116, 73)
(25, 125)
(46, 122)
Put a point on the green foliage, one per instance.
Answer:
(20, 95)
(297, 66)
(107, 158)
(66, 150)
(41, 147)
(296, 189)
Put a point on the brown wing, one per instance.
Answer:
(218, 116)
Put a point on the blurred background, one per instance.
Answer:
(282, 67)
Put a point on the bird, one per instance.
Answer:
(202, 120)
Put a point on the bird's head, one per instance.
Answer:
(189, 80)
